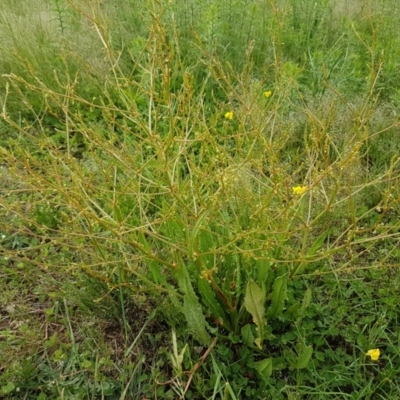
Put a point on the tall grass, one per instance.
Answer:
(211, 160)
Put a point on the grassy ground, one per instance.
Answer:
(199, 200)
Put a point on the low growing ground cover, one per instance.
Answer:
(199, 200)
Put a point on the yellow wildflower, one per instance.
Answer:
(374, 354)
(267, 94)
(229, 115)
(299, 190)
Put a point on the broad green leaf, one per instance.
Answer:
(195, 318)
(279, 295)
(305, 353)
(86, 364)
(7, 389)
(191, 307)
(254, 302)
(247, 335)
(264, 367)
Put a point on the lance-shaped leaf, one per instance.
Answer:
(305, 353)
(254, 302)
(195, 318)
(191, 306)
(279, 295)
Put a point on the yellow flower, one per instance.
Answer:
(229, 115)
(299, 190)
(267, 94)
(374, 354)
